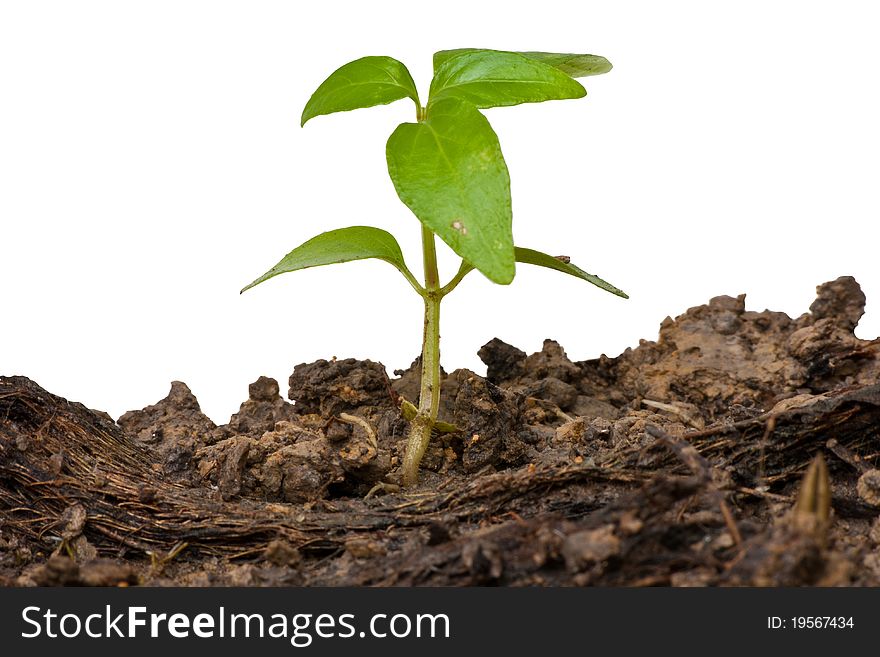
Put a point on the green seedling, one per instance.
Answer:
(448, 168)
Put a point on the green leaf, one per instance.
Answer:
(450, 172)
(493, 78)
(442, 56)
(341, 245)
(364, 82)
(532, 257)
(577, 66)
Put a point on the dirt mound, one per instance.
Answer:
(717, 358)
(682, 461)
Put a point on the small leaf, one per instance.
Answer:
(450, 172)
(532, 257)
(364, 82)
(494, 78)
(577, 66)
(341, 245)
(409, 411)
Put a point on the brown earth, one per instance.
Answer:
(681, 462)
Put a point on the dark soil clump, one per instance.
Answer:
(740, 448)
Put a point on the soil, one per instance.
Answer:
(740, 448)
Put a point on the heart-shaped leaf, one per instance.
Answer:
(364, 82)
(494, 78)
(450, 172)
(561, 263)
(341, 245)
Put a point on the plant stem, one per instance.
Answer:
(429, 395)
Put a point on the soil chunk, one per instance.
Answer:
(338, 386)
(841, 301)
(290, 464)
(174, 427)
(262, 410)
(504, 362)
(490, 419)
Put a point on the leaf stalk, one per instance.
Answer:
(463, 271)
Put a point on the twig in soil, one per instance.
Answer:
(733, 427)
(363, 424)
(755, 492)
(729, 520)
(247, 554)
(158, 563)
(547, 405)
(383, 487)
(847, 456)
(675, 410)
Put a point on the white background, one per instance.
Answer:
(152, 163)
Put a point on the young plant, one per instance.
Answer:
(448, 168)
